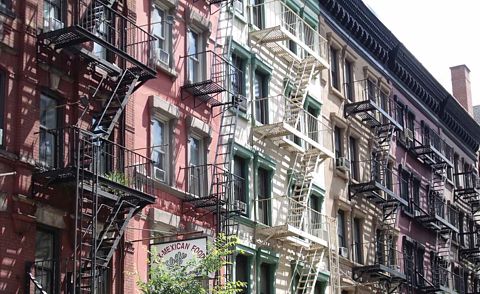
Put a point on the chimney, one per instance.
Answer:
(461, 86)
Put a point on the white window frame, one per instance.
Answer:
(163, 150)
(165, 36)
(200, 70)
(52, 21)
(201, 168)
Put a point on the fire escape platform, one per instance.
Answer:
(205, 91)
(105, 188)
(472, 254)
(431, 156)
(436, 223)
(294, 235)
(76, 34)
(278, 133)
(273, 37)
(436, 289)
(379, 272)
(372, 191)
(366, 111)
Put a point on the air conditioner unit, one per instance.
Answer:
(239, 206)
(408, 135)
(343, 163)
(238, 5)
(343, 251)
(52, 24)
(162, 56)
(159, 174)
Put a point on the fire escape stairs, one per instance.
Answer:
(309, 273)
(112, 108)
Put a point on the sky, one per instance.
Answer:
(440, 33)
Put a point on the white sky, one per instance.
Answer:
(440, 33)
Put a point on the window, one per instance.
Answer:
(342, 240)
(162, 30)
(334, 74)
(240, 169)
(420, 271)
(389, 176)
(411, 122)
(198, 172)
(456, 170)
(264, 205)
(408, 262)
(196, 64)
(380, 244)
(261, 93)
(416, 193)
(372, 90)
(266, 279)
(257, 13)
(400, 115)
(52, 15)
(103, 30)
(5, 5)
(312, 122)
(48, 126)
(45, 254)
(349, 85)
(405, 185)
(238, 5)
(354, 159)
(357, 241)
(242, 271)
(338, 142)
(238, 86)
(160, 149)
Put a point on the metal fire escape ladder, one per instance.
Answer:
(309, 274)
(107, 118)
(308, 165)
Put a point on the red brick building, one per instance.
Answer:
(110, 117)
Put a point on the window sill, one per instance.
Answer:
(165, 69)
(336, 93)
(245, 220)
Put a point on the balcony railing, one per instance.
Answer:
(73, 147)
(274, 21)
(94, 20)
(387, 262)
(371, 103)
(278, 116)
(206, 75)
(436, 214)
(291, 217)
(430, 147)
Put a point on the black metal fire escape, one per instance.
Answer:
(374, 110)
(212, 87)
(111, 182)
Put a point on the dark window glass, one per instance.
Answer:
(241, 271)
(357, 241)
(338, 142)
(334, 68)
(354, 158)
(266, 279)
(239, 183)
(48, 126)
(400, 115)
(45, 260)
(405, 185)
(342, 241)
(349, 86)
(371, 90)
(264, 196)
(261, 98)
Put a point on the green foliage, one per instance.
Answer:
(188, 278)
(117, 177)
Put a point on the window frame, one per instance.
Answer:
(244, 170)
(261, 100)
(165, 146)
(45, 130)
(265, 217)
(167, 27)
(249, 261)
(357, 236)
(334, 68)
(55, 251)
(349, 78)
(353, 156)
(196, 60)
(200, 168)
(341, 224)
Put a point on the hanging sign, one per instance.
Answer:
(177, 253)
